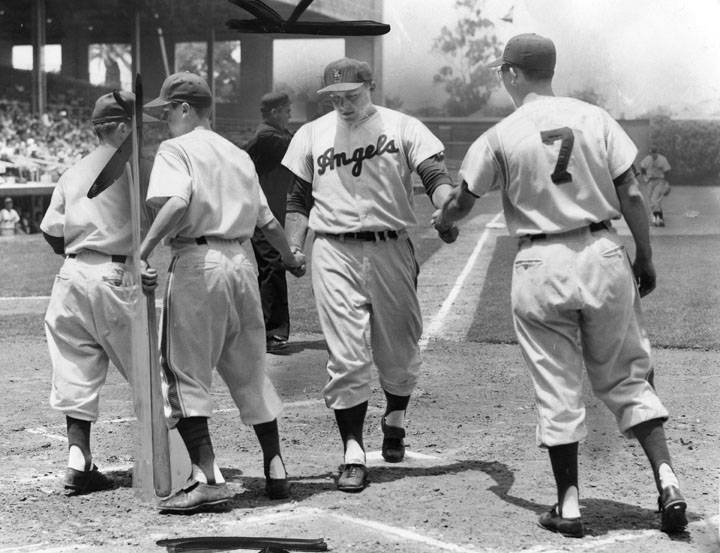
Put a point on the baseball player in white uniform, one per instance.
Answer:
(353, 188)
(653, 168)
(9, 219)
(210, 201)
(564, 168)
(90, 311)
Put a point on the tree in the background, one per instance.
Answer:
(112, 57)
(192, 56)
(469, 47)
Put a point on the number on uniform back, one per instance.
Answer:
(560, 175)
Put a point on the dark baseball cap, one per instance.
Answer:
(183, 87)
(345, 74)
(528, 51)
(107, 108)
(273, 100)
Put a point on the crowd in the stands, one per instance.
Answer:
(38, 148)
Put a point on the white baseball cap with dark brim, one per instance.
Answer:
(528, 51)
(182, 87)
(344, 75)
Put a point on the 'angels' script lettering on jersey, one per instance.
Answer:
(329, 160)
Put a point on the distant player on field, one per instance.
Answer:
(564, 168)
(653, 167)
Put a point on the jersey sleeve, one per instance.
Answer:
(298, 157)
(419, 142)
(264, 213)
(53, 222)
(621, 150)
(169, 176)
(480, 168)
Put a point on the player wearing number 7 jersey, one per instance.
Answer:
(564, 168)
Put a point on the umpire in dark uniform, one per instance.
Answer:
(267, 148)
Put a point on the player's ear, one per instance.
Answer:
(371, 86)
(513, 75)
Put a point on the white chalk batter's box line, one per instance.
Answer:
(405, 535)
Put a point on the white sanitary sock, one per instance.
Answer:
(395, 418)
(76, 458)
(277, 469)
(354, 454)
(667, 476)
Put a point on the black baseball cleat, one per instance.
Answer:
(353, 478)
(196, 496)
(568, 527)
(393, 447)
(672, 507)
(275, 344)
(277, 488)
(78, 482)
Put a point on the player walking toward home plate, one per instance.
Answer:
(88, 320)
(353, 189)
(210, 201)
(565, 171)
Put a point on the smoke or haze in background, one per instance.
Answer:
(637, 54)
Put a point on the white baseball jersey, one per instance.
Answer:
(554, 159)
(101, 224)
(8, 219)
(655, 168)
(361, 173)
(210, 173)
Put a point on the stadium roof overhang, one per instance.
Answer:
(112, 20)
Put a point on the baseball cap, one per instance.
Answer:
(528, 51)
(107, 109)
(183, 87)
(273, 100)
(345, 74)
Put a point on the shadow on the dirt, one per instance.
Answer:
(297, 347)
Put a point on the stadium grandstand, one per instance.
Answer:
(57, 57)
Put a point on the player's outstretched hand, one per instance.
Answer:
(644, 276)
(296, 265)
(448, 232)
(149, 277)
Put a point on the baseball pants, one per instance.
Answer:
(656, 193)
(369, 312)
(87, 324)
(212, 319)
(576, 308)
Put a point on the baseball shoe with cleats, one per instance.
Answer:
(568, 527)
(393, 447)
(353, 478)
(275, 344)
(277, 488)
(672, 507)
(78, 482)
(196, 496)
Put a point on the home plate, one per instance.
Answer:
(374, 458)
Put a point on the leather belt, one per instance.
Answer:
(114, 258)
(366, 235)
(593, 227)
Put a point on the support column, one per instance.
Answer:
(255, 73)
(369, 49)
(39, 81)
